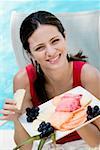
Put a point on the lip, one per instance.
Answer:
(54, 60)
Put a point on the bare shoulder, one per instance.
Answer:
(21, 79)
(90, 78)
(90, 71)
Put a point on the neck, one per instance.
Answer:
(59, 78)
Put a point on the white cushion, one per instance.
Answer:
(82, 30)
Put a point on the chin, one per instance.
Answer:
(55, 66)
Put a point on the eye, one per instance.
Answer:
(55, 41)
(40, 48)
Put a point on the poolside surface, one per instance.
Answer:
(6, 140)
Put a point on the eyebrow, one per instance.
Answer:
(53, 38)
(41, 44)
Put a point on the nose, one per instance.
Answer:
(50, 50)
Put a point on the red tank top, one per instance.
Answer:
(31, 71)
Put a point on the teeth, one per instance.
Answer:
(54, 59)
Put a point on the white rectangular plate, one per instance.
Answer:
(78, 90)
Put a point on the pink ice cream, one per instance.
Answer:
(69, 103)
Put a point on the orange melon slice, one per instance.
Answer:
(58, 118)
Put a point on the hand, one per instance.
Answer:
(10, 111)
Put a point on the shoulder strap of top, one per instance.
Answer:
(77, 67)
(31, 72)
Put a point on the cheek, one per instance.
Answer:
(63, 45)
(36, 57)
(39, 57)
(63, 48)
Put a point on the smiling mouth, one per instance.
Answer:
(54, 60)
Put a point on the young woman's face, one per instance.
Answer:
(47, 46)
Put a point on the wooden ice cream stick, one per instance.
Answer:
(19, 97)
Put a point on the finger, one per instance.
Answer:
(6, 112)
(10, 101)
(4, 118)
(8, 117)
(10, 107)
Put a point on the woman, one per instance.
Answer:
(51, 73)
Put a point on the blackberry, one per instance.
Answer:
(36, 114)
(32, 113)
(40, 129)
(89, 108)
(89, 117)
(41, 135)
(92, 112)
(29, 119)
(51, 129)
(28, 110)
(36, 109)
(44, 132)
(89, 112)
(96, 108)
(42, 124)
(46, 129)
(32, 109)
(48, 124)
(98, 113)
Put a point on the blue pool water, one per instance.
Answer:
(8, 66)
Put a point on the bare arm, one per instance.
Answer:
(91, 81)
(21, 81)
